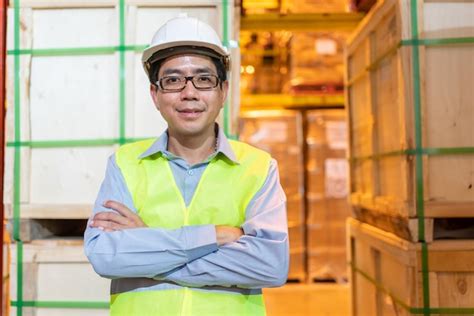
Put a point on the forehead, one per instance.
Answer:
(188, 63)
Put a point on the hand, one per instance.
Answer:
(227, 234)
(111, 221)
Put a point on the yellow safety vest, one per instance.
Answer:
(221, 198)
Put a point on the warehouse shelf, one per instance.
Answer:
(301, 21)
(262, 101)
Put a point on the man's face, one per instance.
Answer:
(190, 112)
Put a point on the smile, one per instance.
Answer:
(190, 113)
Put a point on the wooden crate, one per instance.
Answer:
(387, 273)
(297, 269)
(75, 96)
(381, 107)
(57, 270)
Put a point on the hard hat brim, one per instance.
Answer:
(150, 51)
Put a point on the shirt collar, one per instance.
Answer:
(160, 145)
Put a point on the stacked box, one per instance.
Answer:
(410, 110)
(387, 274)
(74, 94)
(326, 194)
(412, 165)
(56, 270)
(61, 161)
(280, 134)
(264, 61)
(317, 62)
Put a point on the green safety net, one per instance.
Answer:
(17, 144)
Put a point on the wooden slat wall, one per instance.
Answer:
(381, 110)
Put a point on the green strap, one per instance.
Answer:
(421, 151)
(73, 142)
(437, 41)
(225, 40)
(77, 51)
(401, 303)
(17, 165)
(420, 201)
(62, 304)
(113, 141)
(122, 113)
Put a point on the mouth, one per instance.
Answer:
(189, 112)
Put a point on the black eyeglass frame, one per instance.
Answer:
(159, 82)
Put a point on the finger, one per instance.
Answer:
(119, 207)
(106, 226)
(111, 217)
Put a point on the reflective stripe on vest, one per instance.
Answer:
(221, 198)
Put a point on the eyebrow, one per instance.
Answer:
(201, 70)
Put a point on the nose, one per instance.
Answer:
(189, 92)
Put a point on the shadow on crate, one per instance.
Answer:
(31, 229)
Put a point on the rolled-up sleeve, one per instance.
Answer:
(258, 259)
(140, 252)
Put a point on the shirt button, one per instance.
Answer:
(190, 172)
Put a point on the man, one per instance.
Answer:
(190, 223)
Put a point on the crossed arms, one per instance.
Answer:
(119, 245)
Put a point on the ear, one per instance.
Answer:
(154, 95)
(225, 91)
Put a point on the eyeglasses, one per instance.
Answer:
(178, 83)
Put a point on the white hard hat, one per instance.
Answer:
(184, 34)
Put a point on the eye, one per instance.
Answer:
(204, 79)
(171, 80)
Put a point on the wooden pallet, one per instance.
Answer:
(57, 270)
(386, 275)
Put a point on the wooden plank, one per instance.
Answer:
(51, 211)
(380, 9)
(450, 265)
(407, 228)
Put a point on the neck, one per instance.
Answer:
(193, 149)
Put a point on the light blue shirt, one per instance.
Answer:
(190, 256)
